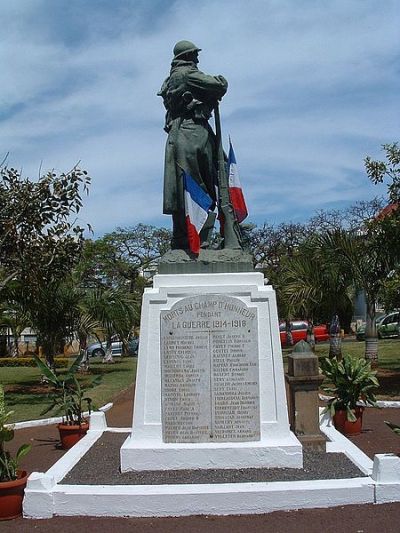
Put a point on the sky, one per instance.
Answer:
(314, 87)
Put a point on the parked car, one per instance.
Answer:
(299, 332)
(386, 325)
(99, 349)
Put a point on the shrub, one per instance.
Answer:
(66, 394)
(60, 362)
(352, 381)
(8, 463)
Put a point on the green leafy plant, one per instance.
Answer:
(67, 395)
(352, 381)
(393, 427)
(8, 464)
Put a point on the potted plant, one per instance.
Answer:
(67, 398)
(352, 382)
(12, 480)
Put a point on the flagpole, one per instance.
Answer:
(232, 237)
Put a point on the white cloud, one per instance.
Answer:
(313, 88)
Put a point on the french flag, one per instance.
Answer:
(235, 188)
(197, 206)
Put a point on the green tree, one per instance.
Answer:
(307, 285)
(352, 218)
(15, 315)
(387, 223)
(38, 238)
(386, 171)
(366, 256)
(390, 294)
(40, 243)
(116, 312)
(272, 247)
(54, 314)
(123, 261)
(269, 244)
(120, 260)
(313, 287)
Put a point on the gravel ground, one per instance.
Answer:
(105, 454)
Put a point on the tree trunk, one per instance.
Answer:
(335, 339)
(84, 366)
(108, 358)
(85, 363)
(310, 335)
(13, 349)
(289, 336)
(371, 335)
(48, 349)
(16, 346)
(335, 346)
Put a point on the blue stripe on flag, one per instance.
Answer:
(196, 192)
(231, 156)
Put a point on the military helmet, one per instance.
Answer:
(184, 47)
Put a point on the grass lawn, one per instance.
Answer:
(388, 351)
(389, 363)
(27, 397)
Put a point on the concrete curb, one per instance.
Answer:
(391, 404)
(53, 420)
(45, 497)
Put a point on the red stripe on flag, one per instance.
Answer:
(193, 237)
(238, 203)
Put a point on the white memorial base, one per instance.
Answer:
(266, 453)
(275, 445)
(46, 496)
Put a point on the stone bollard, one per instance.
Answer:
(303, 380)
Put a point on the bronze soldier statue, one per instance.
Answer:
(189, 97)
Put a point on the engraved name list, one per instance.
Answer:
(209, 371)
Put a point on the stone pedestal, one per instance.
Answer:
(210, 389)
(304, 380)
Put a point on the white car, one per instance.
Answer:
(99, 349)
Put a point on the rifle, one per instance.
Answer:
(232, 235)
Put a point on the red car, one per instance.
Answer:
(299, 332)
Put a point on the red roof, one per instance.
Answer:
(387, 210)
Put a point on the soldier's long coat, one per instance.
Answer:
(189, 96)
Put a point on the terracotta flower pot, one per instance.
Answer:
(70, 435)
(345, 426)
(11, 496)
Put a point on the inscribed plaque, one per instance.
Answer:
(209, 371)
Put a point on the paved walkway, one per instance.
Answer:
(375, 438)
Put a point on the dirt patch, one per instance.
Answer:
(389, 384)
(23, 389)
(388, 376)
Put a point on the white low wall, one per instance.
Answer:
(45, 497)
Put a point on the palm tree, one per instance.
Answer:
(84, 325)
(54, 311)
(15, 315)
(314, 287)
(366, 256)
(115, 312)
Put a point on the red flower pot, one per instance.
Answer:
(345, 426)
(11, 496)
(70, 435)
